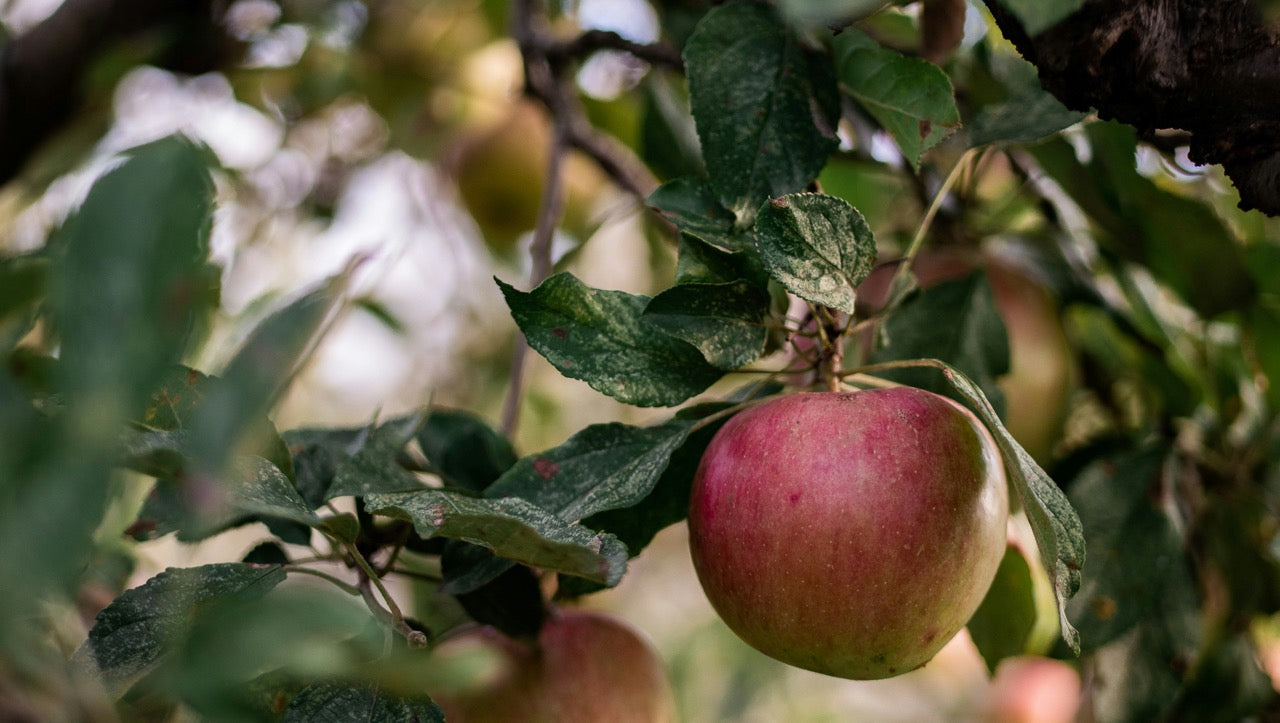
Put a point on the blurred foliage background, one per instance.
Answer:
(396, 131)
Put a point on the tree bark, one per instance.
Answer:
(1209, 67)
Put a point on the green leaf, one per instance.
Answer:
(303, 633)
(955, 322)
(691, 204)
(374, 464)
(765, 107)
(700, 262)
(668, 138)
(1135, 561)
(512, 527)
(332, 703)
(602, 467)
(1040, 15)
(257, 375)
(317, 455)
(464, 449)
(197, 507)
(724, 321)
(668, 501)
(23, 283)
(137, 630)
(1003, 622)
(814, 13)
(1058, 532)
(133, 259)
(1027, 113)
(602, 338)
(126, 287)
(912, 98)
(817, 246)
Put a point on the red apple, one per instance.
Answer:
(851, 534)
(585, 667)
(1041, 373)
(1032, 689)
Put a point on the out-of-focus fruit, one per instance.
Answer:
(585, 667)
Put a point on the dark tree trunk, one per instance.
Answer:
(1209, 67)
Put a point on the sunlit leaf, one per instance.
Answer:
(912, 98)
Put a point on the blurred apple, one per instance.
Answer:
(1032, 689)
(501, 172)
(584, 667)
(1041, 371)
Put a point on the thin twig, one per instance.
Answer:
(543, 82)
(899, 276)
(341, 584)
(590, 41)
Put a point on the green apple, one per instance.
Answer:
(852, 534)
(584, 667)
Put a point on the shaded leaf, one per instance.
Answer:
(1003, 622)
(197, 507)
(601, 338)
(23, 283)
(1027, 113)
(333, 703)
(817, 246)
(464, 449)
(691, 204)
(956, 322)
(764, 106)
(1135, 559)
(724, 321)
(132, 634)
(511, 602)
(257, 375)
(700, 262)
(912, 98)
(1037, 16)
(512, 527)
(668, 139)
(374, 464)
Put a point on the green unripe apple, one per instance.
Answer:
(852, 534)
(584, 667)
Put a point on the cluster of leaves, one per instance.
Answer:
(1173, 475)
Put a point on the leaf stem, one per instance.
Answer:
(904, 267)
(341, 584)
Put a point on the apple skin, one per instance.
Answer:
(585, 667)
(851, 534)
